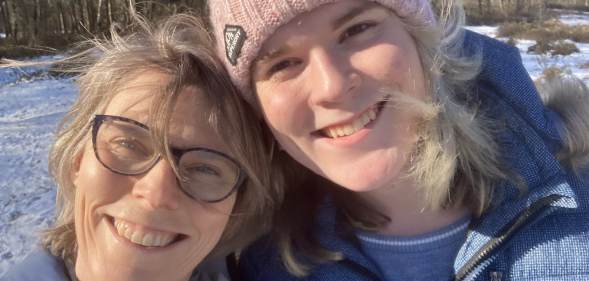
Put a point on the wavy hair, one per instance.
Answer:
(181, 48)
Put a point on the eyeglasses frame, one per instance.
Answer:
(176, 153)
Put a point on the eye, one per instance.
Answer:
(355, 30)
(201, 170)
(128, 146)
(282, 65)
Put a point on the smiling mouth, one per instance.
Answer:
(143, 237)
(355, 125)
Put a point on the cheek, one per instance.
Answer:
(210, 221)
(402, 70)
(94, 183)
(95, 187)
(282, 105)
(371, 61)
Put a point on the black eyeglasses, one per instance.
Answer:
(125, 146)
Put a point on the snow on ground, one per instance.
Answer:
(578, 19)
(30, 109)
(31, 105)
(572, 17)
(535, 63)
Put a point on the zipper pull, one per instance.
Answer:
(496, 276)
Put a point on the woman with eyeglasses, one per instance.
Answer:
(159, 165)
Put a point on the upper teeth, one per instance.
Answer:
(352, 127)
(143, 237)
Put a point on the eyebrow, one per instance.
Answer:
(351, 14)
(274, 54)
(337, 23)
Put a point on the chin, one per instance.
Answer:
(362, 185)
(370, 176)
(121, 273)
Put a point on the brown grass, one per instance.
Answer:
(552, 72)
(562, 48)
(511, 41)
(549, 73)
(551, 30)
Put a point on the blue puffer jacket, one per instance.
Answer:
(543, 235)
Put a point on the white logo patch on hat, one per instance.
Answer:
(234, 38)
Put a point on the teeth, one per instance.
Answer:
(329, 133)
(149, 240)
(348, 130)
(352, 127)
(143, 237)
(372, 114)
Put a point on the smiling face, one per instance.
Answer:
(323, 81)
(116, 216)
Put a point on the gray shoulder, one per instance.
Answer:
(39, 265)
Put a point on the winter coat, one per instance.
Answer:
(40, 265)
(542, 235)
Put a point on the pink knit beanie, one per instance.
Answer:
(241, 27)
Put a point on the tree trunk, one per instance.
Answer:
(12, 23)
(85, 17)
(109, 11)
(98, 14)
(5, 21)
(76, 18)
(61, 19)
(36, 23)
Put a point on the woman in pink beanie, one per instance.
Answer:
(432, 155)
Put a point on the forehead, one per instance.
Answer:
(134, 97)
(325, 17)
(190, 123)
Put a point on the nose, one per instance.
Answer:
(158, 188)
(332, 77)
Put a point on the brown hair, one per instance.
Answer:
(180, 48)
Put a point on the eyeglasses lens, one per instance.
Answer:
(127, 148)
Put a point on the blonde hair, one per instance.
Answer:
(180, 48)
(456, 161)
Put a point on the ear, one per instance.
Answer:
(75, 168)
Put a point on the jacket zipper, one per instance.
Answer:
(505, 234)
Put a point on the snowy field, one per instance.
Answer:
(30, 109)
(535, 63)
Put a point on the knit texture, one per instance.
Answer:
(242, 26)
